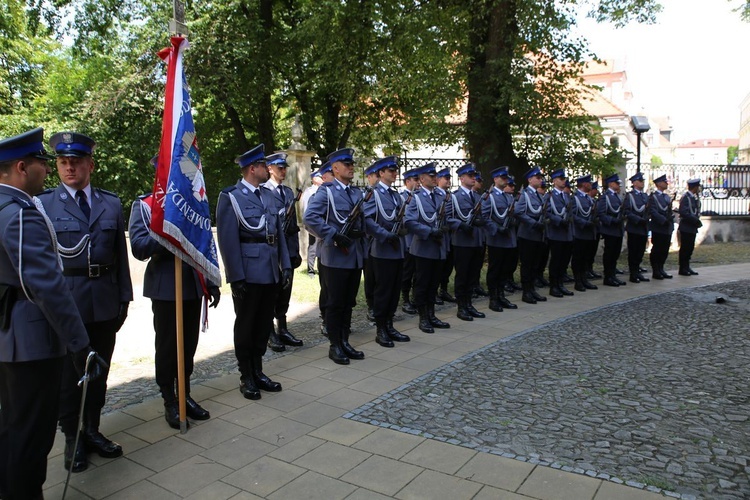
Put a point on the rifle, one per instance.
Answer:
(508, 216)
(400, 216)
(351, 219)
(477, 210)
(441, 212)
(290, 211)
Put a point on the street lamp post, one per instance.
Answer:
(640, 125)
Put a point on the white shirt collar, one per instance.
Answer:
(72, 192)
(249, 186)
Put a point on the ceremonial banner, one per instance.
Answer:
(181, 220)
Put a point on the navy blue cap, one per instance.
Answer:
(20, 146)
(468, 169)
(278, 159)
(346, 155)
(255, 155)
(378, 165)
(410, 174)
(446, 172)
(637, 177)
(511, 180)
(499, 172)
(426, 169)
(693, 182)
(662, 178)
(479, 177)
(583, 179)
(316, 173)
(559, 173)
(544, 183)
(612, 178)
(325, 168)
(72, 144)
(595, 185)
(533, 171)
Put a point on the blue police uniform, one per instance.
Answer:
(256, 259)
(445, 274)
(39, 323)
(341, 256)
(284, 198)
(531, 248)
(661, 225)
(635, 206)
(559, 236)
(407, 277)
(611, 217)
(690, 221)
(585, 239)
(159, 286)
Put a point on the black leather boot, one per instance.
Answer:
(472, 310)
(274, 342)
(461, 312)
(554, 290)
(381, 334)
(406, 304)
(75, 460)
(610, 280)
(424, 320)
(285, 335)
(94, 441)
(350, 351)
(664, 273)
(260, 379)
(434, 321)
(504, 302)
(171, 408)
(495, 300)
(537, 296)
(564, 290)
(588, 285)
(194, 410)
(247, 386)
(445, 295)
(394, 334)
(336, 351)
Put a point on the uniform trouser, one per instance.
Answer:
(426, 280)
(165, 326)
(102, 336)
(583, 255)
(253, 313)
(342, 286)
(468, 262)
(636, 249)
(407, 277)
(659, 250)
(478, 271)
(445, 274)
(531, 253)
(500, 266)
(387, 277)
(544, 254)
(687, 245)
(323, 295)
(369, 278)
(283, 297)
(612, 249)
(29, 398)
(560, 252)
(312, 247)
(594, 248)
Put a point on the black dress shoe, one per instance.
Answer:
(394, 334)
(437, 323)
(337, 355)
(528, 298)
(619, 281)
(75, 461)
(196, 411)
(595, 275)
(589, 286)
(172, 414)
(567, 279)
(643, 278)
(555, 292)
(657, 276)
(445, 296)
(473, 311)
(665, 275)
(382, 337)
(274, 342)
(507, 304)
(578, 287)
(634, 279)
(610, 281)
(539, 298)
(463, 314)
(683, 273)
(248, 390)
(262, 381)
(95, 442)
(287, 338)
(408, 308)
(565, 291)
(425, 325)
(692, 272)
(351, 352)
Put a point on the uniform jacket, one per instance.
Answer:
(584, 216)
(462, 203)
(51, 324)
(500, 230)
(660, 207)
(98, 299)
(381, 212)
(690, 210)
(636, 212)
(421, 218)
(325, 216)
(158, 280)
(529, 214)
(292, 239)
(559, 227)
(609, 209)
(409, 237)
(243, 242)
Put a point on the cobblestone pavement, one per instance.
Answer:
(651, 391)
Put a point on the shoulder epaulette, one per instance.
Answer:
(327, 184)
(228, 189)
(47, 191)
(144, 196)
(104, 191)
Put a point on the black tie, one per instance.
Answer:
(432, 197)
(349, 194)
(473, 200)
(257, 193)
(85, 208)
(281, 192)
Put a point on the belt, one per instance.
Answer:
(270, 239)
(93, 271)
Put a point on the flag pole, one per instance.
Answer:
(178, 27)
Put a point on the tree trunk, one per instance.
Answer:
(266, 131)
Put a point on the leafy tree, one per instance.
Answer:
(732, 154)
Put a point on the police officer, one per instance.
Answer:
(428, 219)
(326, 175)
(661, 226)
(468, 243)
(444, 185)
(590, 273)
(341, 255)
(39, 321)
(531, 247)
(583, 209)
(539, 279)
(411, 185)
(512, 286)
(500, 230)
(256, 263)
(372, 176)
(611, 216)
(559, 233)
(285, 201)
(159, 286)
(316, 180)
(384, 222)
(636, 213)
(690, 221)
(90, 233)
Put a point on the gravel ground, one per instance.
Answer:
(655, 396)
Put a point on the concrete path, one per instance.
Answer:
(296, 444)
